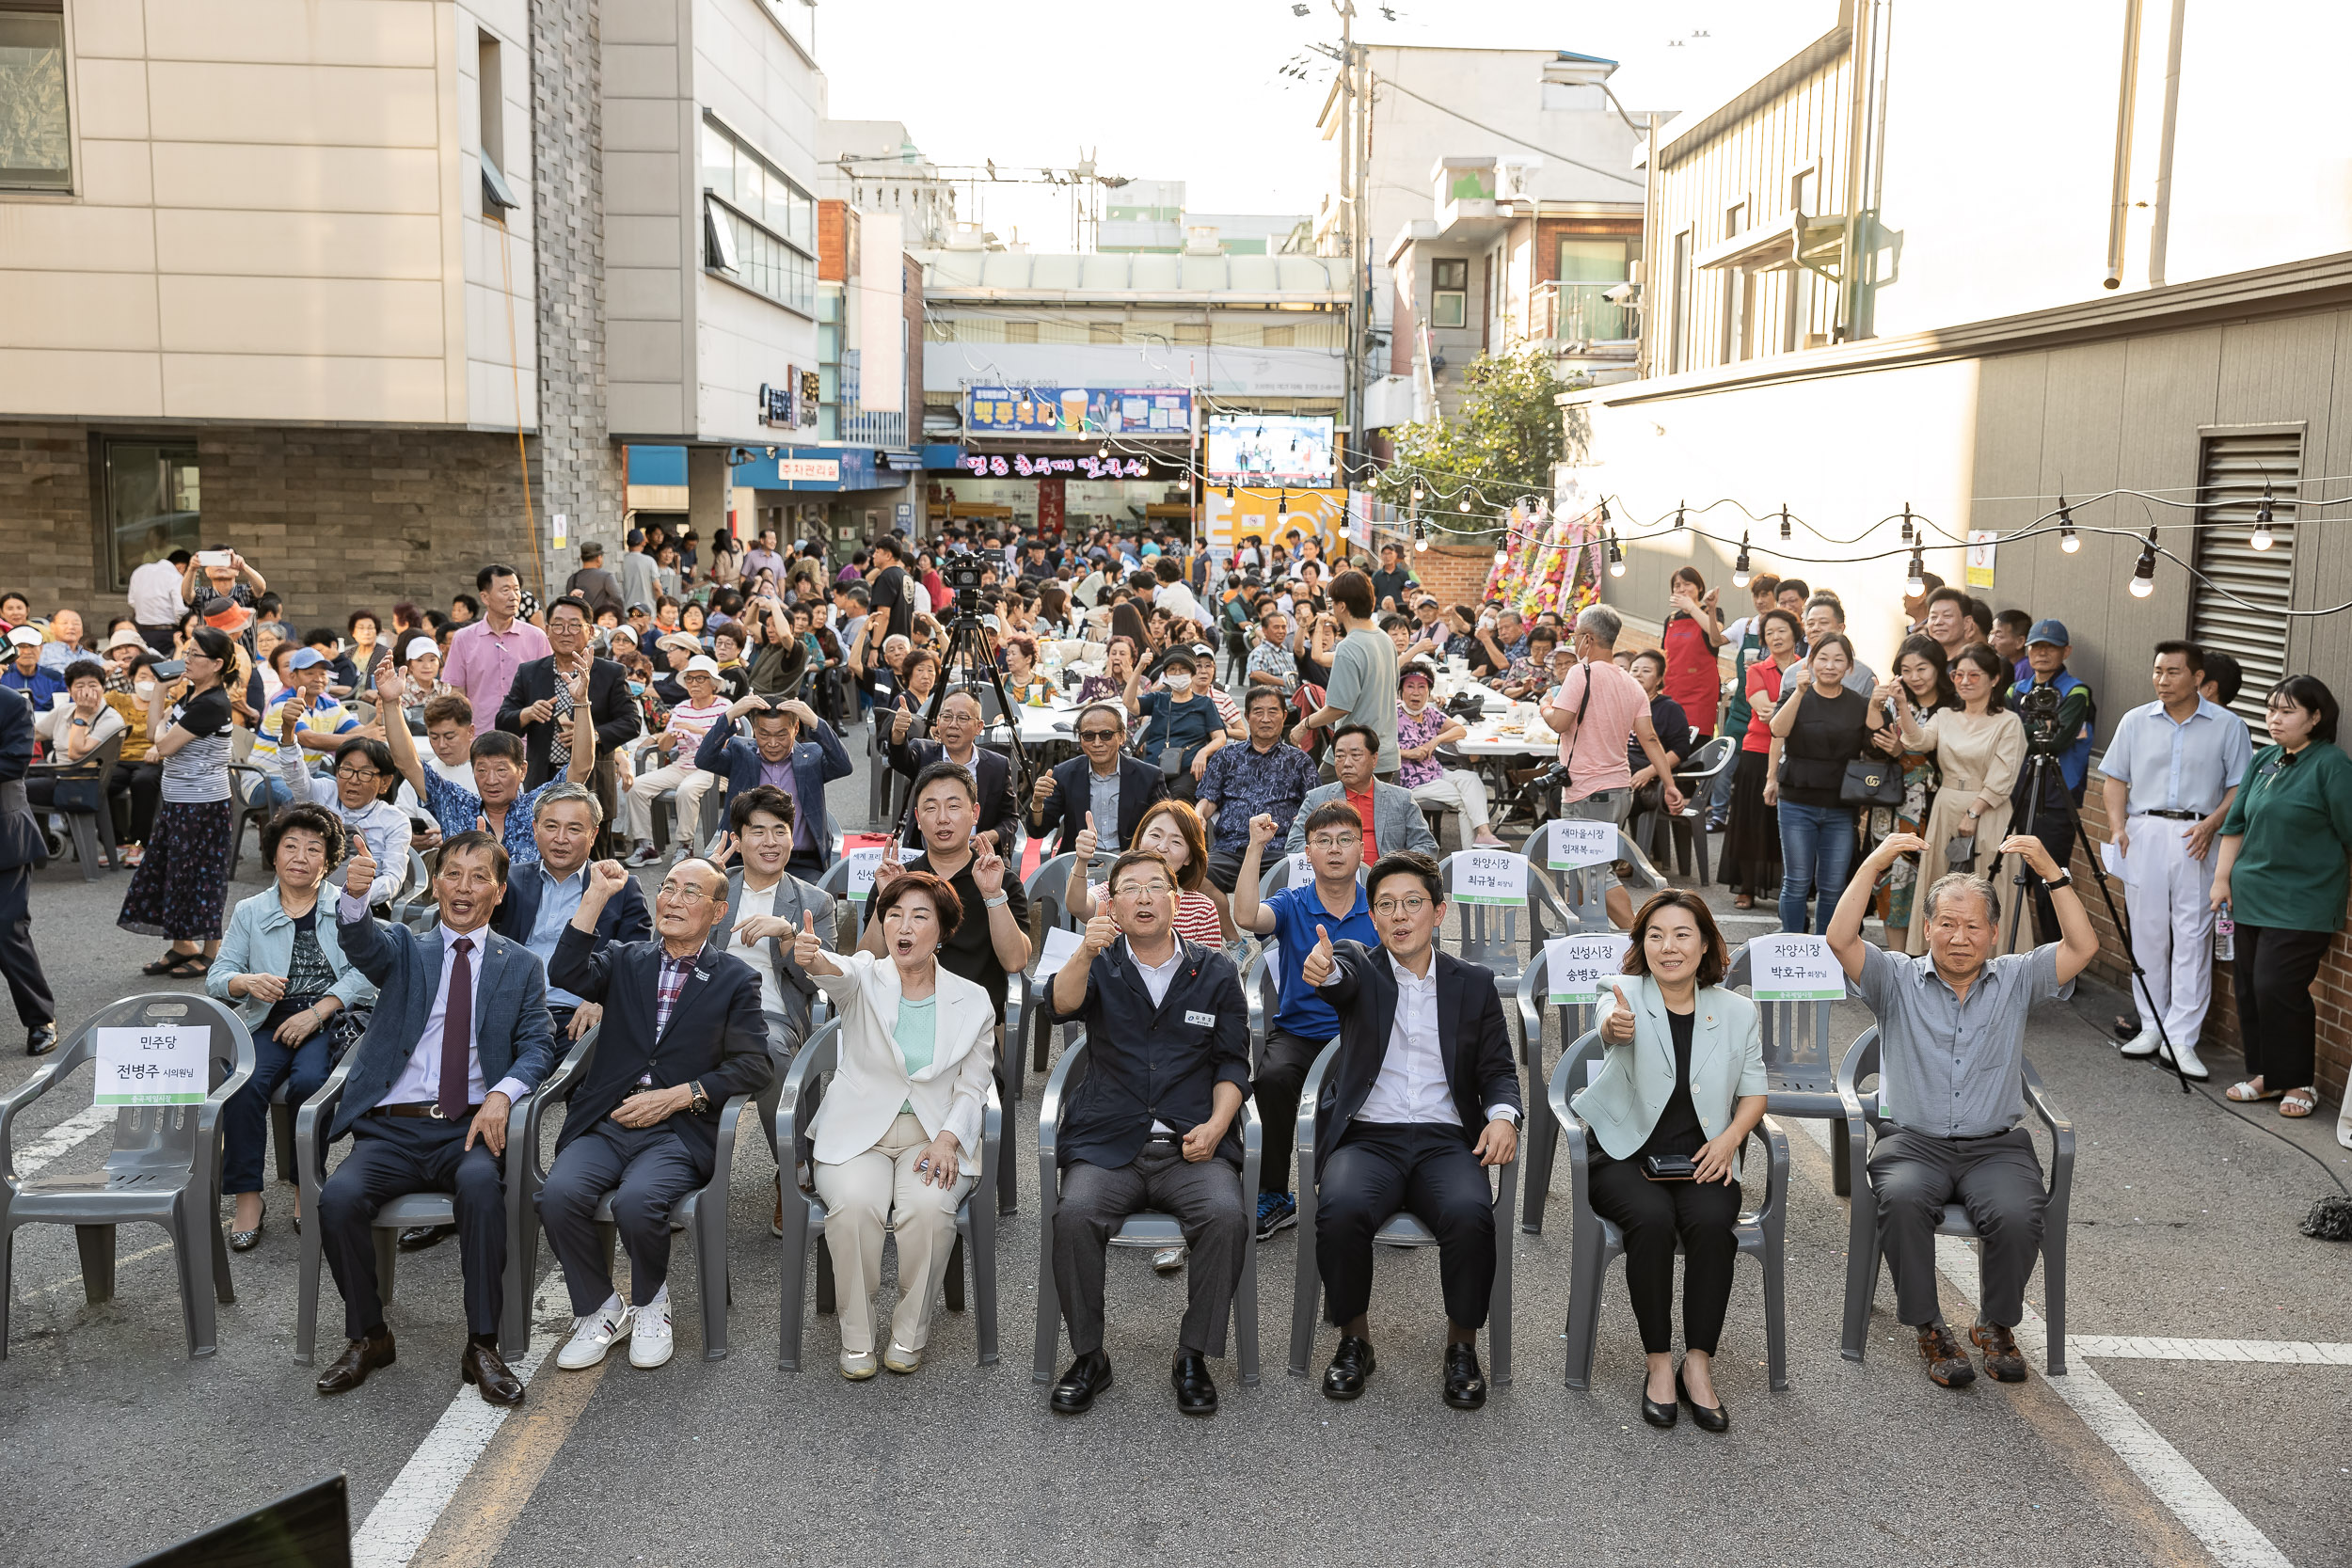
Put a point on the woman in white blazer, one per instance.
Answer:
(1682, 1080)
(899, 1134)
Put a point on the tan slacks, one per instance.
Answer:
(861, 1191)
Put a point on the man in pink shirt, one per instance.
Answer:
(484, 657)
(1596, 711)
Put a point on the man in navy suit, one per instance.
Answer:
(541, 899)
(682, 1033)
(956, 734)
(460, 1032)
(1424, 1095)
(1104, 778)
(791, 749)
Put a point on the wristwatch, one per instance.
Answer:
(702, 1098)
(996, 903)
(2064, 878)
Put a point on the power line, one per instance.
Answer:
(1522, 141)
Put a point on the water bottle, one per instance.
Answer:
(2224, 934)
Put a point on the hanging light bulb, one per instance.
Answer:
(1915, 579)
(1785, 534)
(2068, 540)
(1679, 508)
(1604, 516)
(1282, 506)
(1464, 504)
(1908, 533)
(2263, 538)
(1503, 551)
(1229, 489)
(1417, 492)
(2144, 572)
(1739, 573)
(1421, 534)
(1617, 556)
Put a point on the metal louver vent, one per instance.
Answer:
(2247, 622)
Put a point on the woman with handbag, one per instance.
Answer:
(1751, 862)
(1979, 747)
(1925, 689)
(282, 968)
(1816, 785)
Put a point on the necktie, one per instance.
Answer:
(457, 1032)
(560, 746)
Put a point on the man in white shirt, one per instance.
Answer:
(1396, 1130)
(1173, 596)
(155, 596)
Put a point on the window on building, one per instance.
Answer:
(754, 210)
(1449, 297)
(2239, 606)
(1103, 332)
(498, 192)
(35, 146)
(1020, 332)
(1589, 267)
(1676, 331)
(153, 504)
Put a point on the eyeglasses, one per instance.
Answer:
(1408, 906)
(678, 893)
(360, 773)
(1334, 841)
(765, 836)
(1140, 890)
(1098, 735)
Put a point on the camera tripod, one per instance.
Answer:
(967, 641)
(2040, 766)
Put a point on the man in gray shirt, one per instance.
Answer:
(1364, 674)
(641, 583)
(1951, 1091)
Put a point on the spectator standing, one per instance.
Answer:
(1947, 621)
(155, 596)
(2173, 769)
(1362, 688)
(1824, 615)
(1752, 847)
(537, 705)
(1924, 689)
(596, 586)
(485, 656)
(2046, 647)
(1598, 713)
(1390, 583)
(1820, 727)
(181, 887)
(888, 593)
(1693, 635)
(1978, 747)
(1746, 638)
(640, 581)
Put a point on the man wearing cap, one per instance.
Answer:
(24, 673)
(597, 588)
(690, 721)
(2046, 647)
(321, 723)
(538, 707)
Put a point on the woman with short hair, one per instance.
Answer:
(897, 1138)
(181, 884)
(1173, 831)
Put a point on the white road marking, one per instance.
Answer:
(123, 1262)
(2140, 1347)
(64, 1137)
(409, 1508)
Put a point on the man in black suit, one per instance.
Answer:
(1116, 787)
(957, 732)
(1424, 1095)
(21, 850)
(538, 708)
(682, 1033)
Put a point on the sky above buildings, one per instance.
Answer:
(1199, 93)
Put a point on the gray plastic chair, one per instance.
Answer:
(1490, 934)
(1580, 891)
(164, 1168)
(1540, 1138)
(1798, 1063)
(1760, 1234)
(82, 800)
(420, 1207)
(1401, 1229)
(1864, 1123)
(1686, 829)
(703, 1215)
(805, 1213)
(1146, 1229)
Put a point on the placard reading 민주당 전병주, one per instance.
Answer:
(1490, 877)
(1787, 966)
(1575, 843)
(1575, 965)
(153, 1067)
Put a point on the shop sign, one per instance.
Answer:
(1000, 465)
(1077, 410)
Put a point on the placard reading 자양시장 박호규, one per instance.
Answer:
(1788, 966)
(1575, 843)
(1575, 965)
(1490, 877)
(153, 1067)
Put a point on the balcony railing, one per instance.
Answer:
(882, 429)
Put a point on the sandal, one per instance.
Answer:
(183, 966)
(2297, 1103)
(165, 964)
(1744, 901)
(2246, 1094)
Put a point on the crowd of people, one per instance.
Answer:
(1218, 706)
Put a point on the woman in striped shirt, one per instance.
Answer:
(1173, 831)
(181, 887)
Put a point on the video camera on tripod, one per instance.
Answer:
(961, 569)
(2038, 709)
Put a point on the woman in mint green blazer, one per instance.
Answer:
(1681, 1077)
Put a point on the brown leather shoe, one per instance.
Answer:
(481, 1364)
(2002, 1359)
(359, 1358)
(1948, 1366)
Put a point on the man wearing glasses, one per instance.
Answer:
(956, 732)
(1425, 1096)
(1267, 776)
(354, 794)
(1116, 788)
(1150, 1126)
(1304, 1020)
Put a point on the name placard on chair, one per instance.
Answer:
(1490, 877)
(1575, 965)
(1789, 966)
(1575, 843)
(153, 1067)
(862, 864)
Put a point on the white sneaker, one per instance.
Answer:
(595, 1334)
(645, 854)
(649, 1345)
(858, 1365)
(2142, 1044)
(2191, 1069)
(901, 1360)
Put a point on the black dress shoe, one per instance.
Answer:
(418, 1237)
(1195, 1392)
(1710, 1417)
(41, 1041)
(1351, 1365)
(481, 1364)
(1465, 1382)
(359, 1358)
(1087, 1376)
(1663, 1416)
(245, 1241)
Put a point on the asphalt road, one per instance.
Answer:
(113, 1444)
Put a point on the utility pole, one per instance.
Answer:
(1353, 148)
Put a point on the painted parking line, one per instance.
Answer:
(63, 1138)
(2141, 1347)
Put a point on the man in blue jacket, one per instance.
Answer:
(791, 748)
(460, 1032)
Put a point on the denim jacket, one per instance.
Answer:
(260, 941)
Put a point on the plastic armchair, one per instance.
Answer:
(164, 1168)
(1490, 933)
(1581, 893)
(1401, 1229)
(1145, 1228)
(1686, 829)
(1760, 1234)
(82, 800)
(420, 1207)
(1865, 1123)
(1539, 1141)
(804, 1212)
(1798, 1063)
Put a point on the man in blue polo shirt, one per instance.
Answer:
(1303, 1023)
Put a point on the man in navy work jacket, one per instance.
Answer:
(682, 1033)
(1424, 1097)
(791, 748)
(460, 1032)
(1151, 1124)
